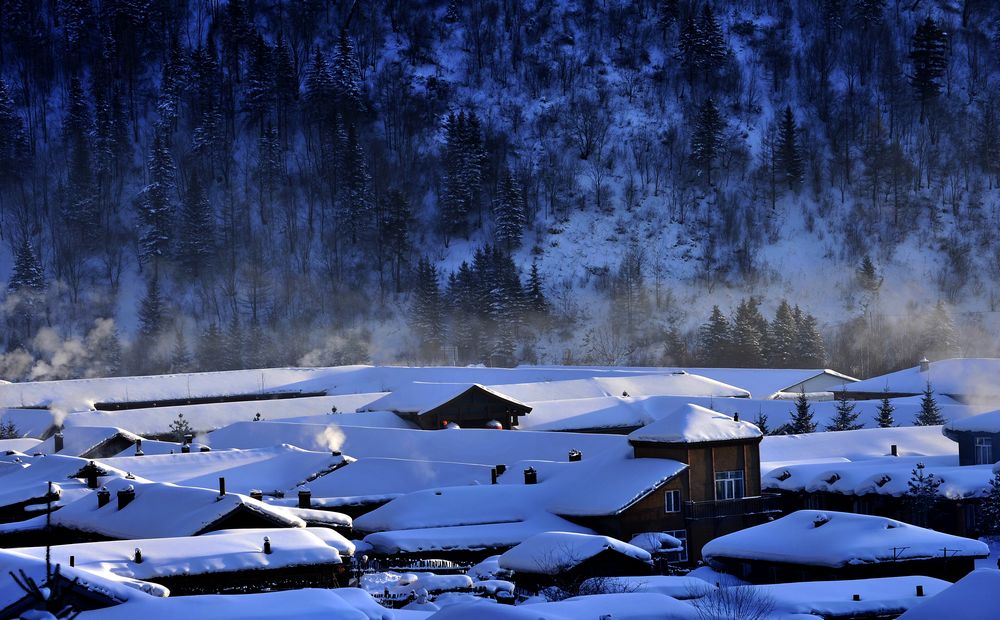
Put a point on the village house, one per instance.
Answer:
(433, 406)
(978, 438)
(969, 381)
(813, 545)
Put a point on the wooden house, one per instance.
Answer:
(433, 406)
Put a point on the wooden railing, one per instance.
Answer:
(761, 504)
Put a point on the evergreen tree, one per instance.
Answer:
(788, 153)
(259, 96)
(886, 409)
(172, 86)
(706, 141)
(428, 320)
(747, 346)
(235, 345)
(537, 303)
(14, 149)
(783, 336)
(929, 53)
(464, 159)
(196, 230)
(211, 351)
(346, 80)
(151, 311)
(761, 422)
(180, 428)
(286, 79)
(319, 90)
(922, 494)
(394, 233)
(667, 13)
(155, 202)
(939, 339)
(869, 12)
(868, 276)
(715, 341)
(802, 419)
(356, 205)
(25, 295)
(811, 352)
(508, 213)
(846, 418)
(833, 16)
(180, 355)
(989, 508)
(28, 275)
(702, 44)
(105, 348)
(930, 413)
(79, 209)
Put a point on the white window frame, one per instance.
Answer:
(731, 483)
(682, 554)
(672, 501)
(984, 450)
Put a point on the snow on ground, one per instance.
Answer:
(883, 597)
(680, 587)
(828, 538)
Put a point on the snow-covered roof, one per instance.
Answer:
(880, 597)
(695, 424)
(200, 555)
(656, 542)
(419, 397)
(973, 597)
(828, 538)
(550, 553)
(857, 445)
(659, 383)
(270, 469)
(483, 446)
(882, 476)
(972, 379)
(387, 478)
(981, 423)
(22, 445)
(80, 440)
(676, 586)
(25, 478)
(159, 510)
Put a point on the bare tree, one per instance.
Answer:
(735, 603)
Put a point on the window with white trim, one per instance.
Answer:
(984, 450)
(672, 501)
(729, 484)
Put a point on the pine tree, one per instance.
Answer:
(196, 230)
(989, 508)
(886, 409)
(79, 209)
(761, 422)
(356, 205)
(346, 76)
(155, 202)
(802, 419)
(868, 277)
(319, 90)
(28, 275)
(180, 355)
(922, 494)
(180, 428)
(929, 53)
(833, 16)
(846, 418)
(537, 303)
(811, 352)
(930, 413)
(715, 341)
(428, 320)
(25, 294)
(105, 348)
(508, 213)
(939, 339)
(706, 141)
(286, 79)
(788, 153)
(151, 311)
(259, 96)
(869, 12)
(14, 149)
(234, 345)
(667, 13)
(211, 353)
(172, 86)
(464, 159)
(747, 347)
(783, 337)
(394, 233)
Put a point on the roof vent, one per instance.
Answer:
(530, 476)
(821, 520)
(883, 480)
(125, 496)
(785, 475)
(833, 478)
(575, 455)
(925, 365)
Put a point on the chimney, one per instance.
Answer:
(103, 497)
(305, 498)
(530, 476)
(58, 438)
(222, 486)
(186, 448)
(857, 597)
(257, 494)
(267, 545)
(920, 590)
(138, 556)
(893, 450)
(138, 447)
(91, 475)
(493, 475)
(736, 417)
(501, 468)
(204, 449)
(575, 455)
(72, 561)
(125, 496)
(925, 364)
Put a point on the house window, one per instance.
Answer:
(672, 499)
(680, 555)
(984, 451)
(729, 484)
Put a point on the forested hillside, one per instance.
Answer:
(222, 184)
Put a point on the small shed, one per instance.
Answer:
(567, 560)
(439, 405)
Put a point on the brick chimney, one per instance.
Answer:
(305, 498)
(125, 496)
(103, 497)
(59, 441)
(530, 476)
(222, 486)
(138, 447)
(575, 455)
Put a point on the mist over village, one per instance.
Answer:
(500, 309)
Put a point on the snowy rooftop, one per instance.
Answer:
(881, 476)
(694, 424)
(882, 597)
(79, 440)
(982, 423)
(550, 553)
(386, 478)
(827, 538)
(977, 379)
(419, 397)
(199, 555)
(275, 468)
(857, 445)
(25, 478)
(974, 597)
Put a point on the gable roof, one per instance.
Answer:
(695, 424)
(828, 538)
(419, 398)
(969, 379)
(982, 423)
(550, 553)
